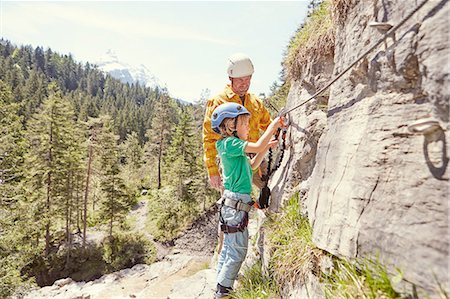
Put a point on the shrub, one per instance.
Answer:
(169, 214)
(125, 250)
(83, 264)
(340, 9)
(11, 280)
(164, 221)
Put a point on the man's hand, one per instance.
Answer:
(216, 182)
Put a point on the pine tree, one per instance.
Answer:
(132, 151)
(132, 157)
(13, 244)
(95, 126)
(11, 146)
(25, 60)
(35, 91)
(39, 59)
(51, 133)
(181, 156)
(159, 134)
(50, 65)
(184, 165)
(75, 169)
(117, 200)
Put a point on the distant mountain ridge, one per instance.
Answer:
(110, 63)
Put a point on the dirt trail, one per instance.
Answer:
(140, 212)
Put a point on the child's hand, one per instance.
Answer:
(273, 143)
(276, 123)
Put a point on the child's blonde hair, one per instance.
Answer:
(228, 126)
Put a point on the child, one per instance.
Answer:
(231, 121)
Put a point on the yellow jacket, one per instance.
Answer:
(259, 120)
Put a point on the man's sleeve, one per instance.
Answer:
(265, 119)
(209, 140)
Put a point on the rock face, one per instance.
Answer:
(375, 187)
(306, 127)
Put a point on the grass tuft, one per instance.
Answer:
(294, 255)
(313, 39)
(359, 279)
(256, 285)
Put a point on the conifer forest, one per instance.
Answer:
(77, 149)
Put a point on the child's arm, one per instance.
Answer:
(257, 159)
(261, 144)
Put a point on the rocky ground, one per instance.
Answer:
(176, 276)
(201, 237)
(186, 270)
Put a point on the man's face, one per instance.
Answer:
(241, 85)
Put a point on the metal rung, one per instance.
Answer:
(383, 26)
(424, 126)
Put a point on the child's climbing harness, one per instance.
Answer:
(237, 205)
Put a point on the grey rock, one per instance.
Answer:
(200, 285)
(310, 289)
(62, 282)
(375, 188)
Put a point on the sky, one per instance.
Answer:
(186, 44)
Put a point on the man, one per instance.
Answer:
(240, 71)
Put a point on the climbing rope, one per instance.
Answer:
(270, 171)
(386, 35)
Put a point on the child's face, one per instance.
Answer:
(243, 127)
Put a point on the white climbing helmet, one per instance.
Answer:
(240, 65)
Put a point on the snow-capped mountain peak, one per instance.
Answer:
(144, 76)
(110, 63)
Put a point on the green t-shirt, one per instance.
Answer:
(237, 172)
